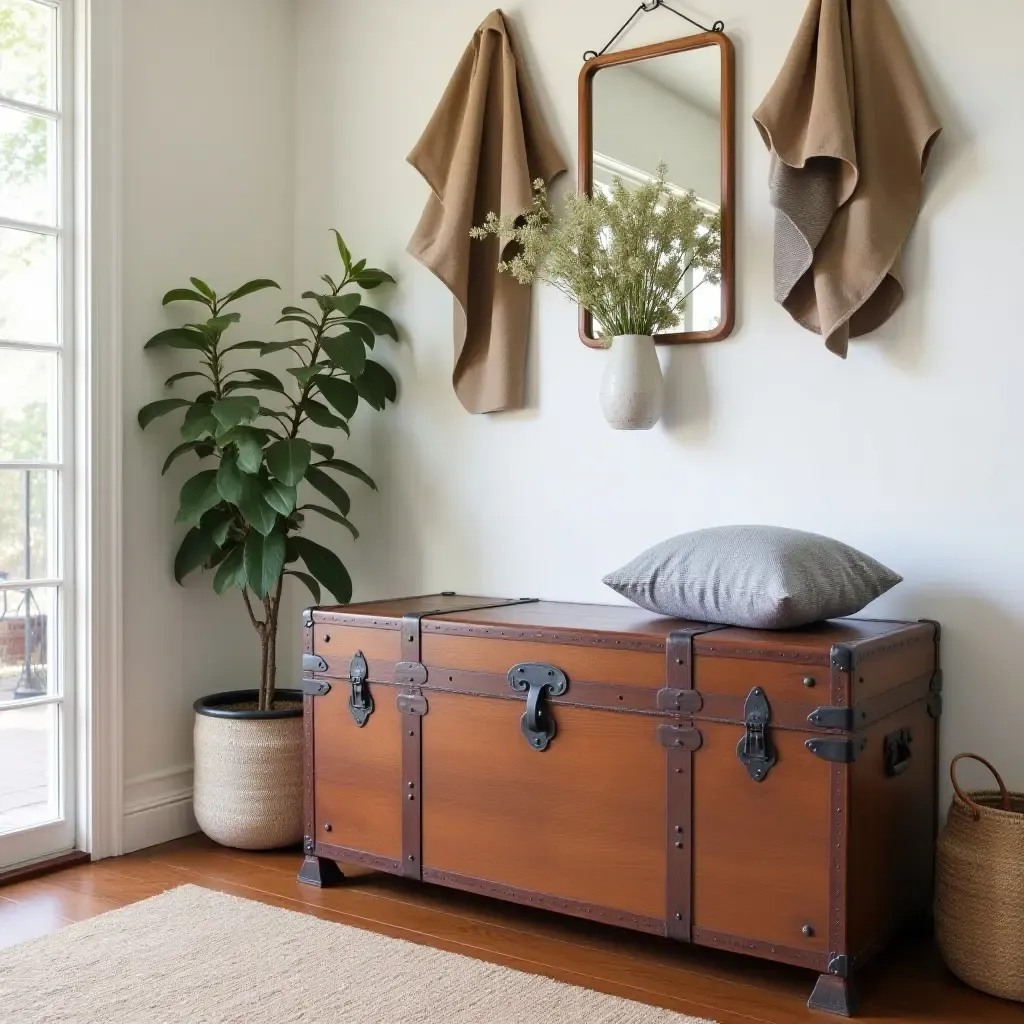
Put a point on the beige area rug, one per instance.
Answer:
(194, 956)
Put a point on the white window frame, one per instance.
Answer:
(89, 566)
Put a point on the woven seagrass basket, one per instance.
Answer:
(979, 907)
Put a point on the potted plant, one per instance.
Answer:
(622, 255)
(246, 510)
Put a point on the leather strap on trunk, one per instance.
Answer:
(412, 704)
(680, 742)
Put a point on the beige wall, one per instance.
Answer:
(909, 450)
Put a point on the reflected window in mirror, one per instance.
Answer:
(669, 104)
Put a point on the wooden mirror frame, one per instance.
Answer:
(728, 201)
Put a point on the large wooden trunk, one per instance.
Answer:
(771, 793)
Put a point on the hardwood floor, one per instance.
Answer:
(910, 986)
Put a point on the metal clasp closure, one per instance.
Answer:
(539, 679)
(755, 749)
(360, 703)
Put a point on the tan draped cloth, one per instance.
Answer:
(850, 129)
(481, 151)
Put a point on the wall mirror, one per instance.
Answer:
(670, 102)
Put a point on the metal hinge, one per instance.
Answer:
(843, 750)
(684, 736)
(755, 749)
(935, 705)
(411, 673)
(360, 703)
(412, 704)
(846, 719)
(314, 687)
(313, 663)
(686, 702)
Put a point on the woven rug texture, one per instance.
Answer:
(195, 956)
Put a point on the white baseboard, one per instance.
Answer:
(158, 808)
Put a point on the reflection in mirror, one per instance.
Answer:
(665, 108)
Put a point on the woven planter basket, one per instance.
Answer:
(979, 910)
(248, 771)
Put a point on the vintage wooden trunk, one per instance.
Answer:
(771, 793)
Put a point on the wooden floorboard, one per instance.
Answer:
(910, 985)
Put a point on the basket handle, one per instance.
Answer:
(1004, 796)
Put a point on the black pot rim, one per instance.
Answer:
(212, 705)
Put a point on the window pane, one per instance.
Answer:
(29, 742)
(28, 405)
(28, 33)
(26, 671)
(28, 525)
(28, 167)
(28, 286)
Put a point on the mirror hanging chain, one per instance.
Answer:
(646, 8)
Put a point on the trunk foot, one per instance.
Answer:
(321, 872)
(834, 995)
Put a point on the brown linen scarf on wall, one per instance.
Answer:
(850, 129)
(481, 151)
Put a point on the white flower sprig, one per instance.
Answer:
(624, 257)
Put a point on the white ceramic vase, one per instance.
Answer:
(632, 385)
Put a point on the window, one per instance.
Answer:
(36, 416)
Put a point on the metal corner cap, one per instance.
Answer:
(841, 657)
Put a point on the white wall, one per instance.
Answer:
(208, 186)
(909, 450)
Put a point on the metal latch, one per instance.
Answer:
(538, 679)
(360, 703)
(755, 749)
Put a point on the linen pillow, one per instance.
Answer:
(764, 577)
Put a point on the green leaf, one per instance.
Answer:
(242, 344)
(267, 347)
(298, 311)
(196, 550)
(346, 467)
(264, 561)
(280, 497)
(249, 445)
(175, 377)
(184, 295)
(198, 422)
(314, 587)
(266, 379)
(372, 278)
(229, 412)
(178, 337)
(336, 516)
(346, 351)
(154, 410)
(304, 374)
(231, 572)
(357, 268)
(343, 304)
(203, 287)
(322, 416)
(288, 460)
(340, 393)
(198, 494)
(346, 256)
(376, 385)
(378, 322)
(258, 514)
(307, 320)
(223, 322)
(229, 478)
(248, 288)
(217, 523)
(330, 489)
(325, 451)
(330, 282)
(361, 331)
(326, 567)
(202, 450)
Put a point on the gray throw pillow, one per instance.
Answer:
(765, 577)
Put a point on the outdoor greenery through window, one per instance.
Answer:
(34, 408)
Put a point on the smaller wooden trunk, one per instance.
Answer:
(772, 793)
